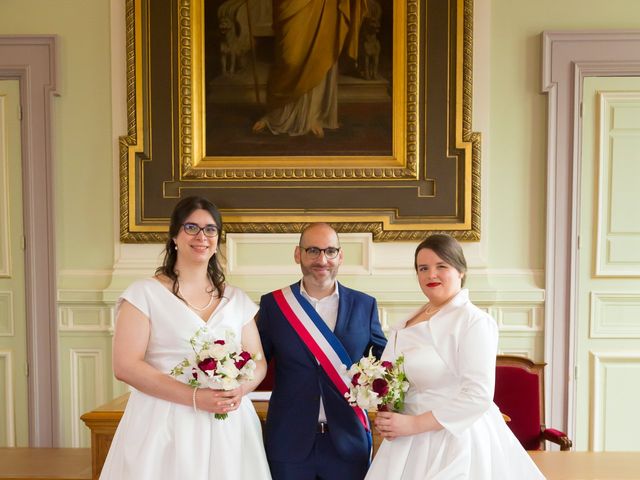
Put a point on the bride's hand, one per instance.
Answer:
(392, 425)
(218, 401)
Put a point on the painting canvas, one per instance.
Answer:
(242, 43)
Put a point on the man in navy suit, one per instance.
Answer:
(311, 431)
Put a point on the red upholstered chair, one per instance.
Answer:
(519, 394)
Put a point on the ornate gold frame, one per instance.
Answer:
(192, 170)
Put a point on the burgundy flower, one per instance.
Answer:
(354, 380)
(383, 408)
(219, 342)
(208, 364)
(380, 386)
(244, 358)
(387, 365)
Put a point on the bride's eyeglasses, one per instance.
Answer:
(194, 229)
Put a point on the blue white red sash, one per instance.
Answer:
(319, 339)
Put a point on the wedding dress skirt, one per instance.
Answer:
(157, 439)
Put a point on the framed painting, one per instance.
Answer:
(285, 112)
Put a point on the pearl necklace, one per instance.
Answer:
(199, 309)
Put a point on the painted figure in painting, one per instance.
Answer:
(310, 36)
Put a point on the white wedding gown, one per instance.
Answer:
(160, 440)
(487, 450)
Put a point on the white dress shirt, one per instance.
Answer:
(327, 308)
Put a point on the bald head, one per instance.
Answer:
(321, 229)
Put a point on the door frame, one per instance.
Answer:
(569, 57)
(31, 59)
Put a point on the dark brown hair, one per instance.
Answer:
(447, 248)
(182, 210)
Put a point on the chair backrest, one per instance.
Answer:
(519, 394)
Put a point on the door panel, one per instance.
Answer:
(608, 310)
(14, 429)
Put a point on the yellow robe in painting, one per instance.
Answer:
(310, 36)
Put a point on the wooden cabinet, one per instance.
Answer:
(103, 422)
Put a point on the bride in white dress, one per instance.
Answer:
(450, 428)
(168, 430)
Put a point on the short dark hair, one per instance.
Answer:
(182, 210)
(447, 248)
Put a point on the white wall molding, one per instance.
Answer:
(7, 325)
(85, 317)
(72, 295)
(614, 315)
(604, 388)
(618, 231)
(5, 239)
(520, 317)
(80, 389)
(568, 57)
(259, 254)
(6, 358)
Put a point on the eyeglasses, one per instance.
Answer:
(194, 229)
(329, 252)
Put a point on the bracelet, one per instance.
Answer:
(193, 399)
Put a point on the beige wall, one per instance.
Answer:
(509, 110)
(82, 154)
(515, 163)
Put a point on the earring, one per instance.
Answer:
(175, 247)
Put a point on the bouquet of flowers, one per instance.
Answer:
(379, 384)
(220, 364)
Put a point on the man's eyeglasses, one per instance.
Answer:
(329, 252)
(194, 229)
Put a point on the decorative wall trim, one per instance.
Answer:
(79, 389)
(605, 323)
(5, 240)
(32, 60)
(600, 363)
(520, 318)
(618, 236)
(7, 325)
(74, 295)
(244, 259)
(568, 57)
(85, 318)
(9, 413)
(527, 353)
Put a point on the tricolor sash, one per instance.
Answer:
(319, 339)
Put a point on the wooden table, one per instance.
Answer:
(45, 463)
(588, 465)
(555, 465)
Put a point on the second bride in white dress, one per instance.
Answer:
(450, 428)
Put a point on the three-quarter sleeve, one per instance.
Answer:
(475, 366)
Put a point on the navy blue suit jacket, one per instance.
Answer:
(300, 382)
